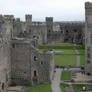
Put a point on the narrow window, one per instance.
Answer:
(49, 30)
(35, 58)
(34, 36)
(41, 62)
(13, 45)
(30, 31)
(91, 38)
(88, 74)
(2, 86)
(66, 31)
(88, 55)
(75, 30)
(88, 61)
(35, 74)
(88, 49)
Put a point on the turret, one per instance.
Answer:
(28, 19)
(8, 18)
(88, 37)
(88, 5)
(49, 24)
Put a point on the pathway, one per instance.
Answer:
(56, 81)
(16, 89)
(78, 56)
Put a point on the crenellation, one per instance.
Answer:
(17, 20)
(88, 5)
(28, 19)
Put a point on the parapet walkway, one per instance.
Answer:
(56, 81)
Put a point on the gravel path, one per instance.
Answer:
(78, 56)
(56, 81)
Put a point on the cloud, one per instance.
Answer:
(60, 9)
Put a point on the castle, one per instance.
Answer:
(21, 63)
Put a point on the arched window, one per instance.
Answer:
(35, 58)
(2, 86)
(35, 73)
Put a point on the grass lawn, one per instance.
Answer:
(62, 59)
(63, 86)
(78, 86)
(65, 60)
(66, 75)
(40, 88)
(57, 46)
(82, 54)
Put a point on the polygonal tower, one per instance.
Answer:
(49, 24)
(88, 37)
(28, 19)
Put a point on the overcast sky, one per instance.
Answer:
(61, 10)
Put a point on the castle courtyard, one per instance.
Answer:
(68, 55)
(48, 55)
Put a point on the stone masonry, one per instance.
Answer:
(28, 66)
(21, 63)
(88, 37)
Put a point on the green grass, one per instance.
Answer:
(81, 49)
(40, 88)
(63, 86)
(78, 86)
(57, 46)
(66, 75)
(63, 59)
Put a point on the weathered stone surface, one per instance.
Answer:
(88, 37)
(20, 61)
(29, 67)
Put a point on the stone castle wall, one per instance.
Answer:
(29, 67)
(21, 62)
(28, 30)
(88, 37)
(5, 37)
(47, 33)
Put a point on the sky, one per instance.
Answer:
(60, 10)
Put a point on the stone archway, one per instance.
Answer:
(35, 78)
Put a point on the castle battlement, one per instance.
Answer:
(88, 5)
(38, 24)
(17, 19)
(8, 16)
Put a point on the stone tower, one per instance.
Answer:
(28, 65)
(28, 19)
(6, 28)
(49, 24)
(88, 37)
